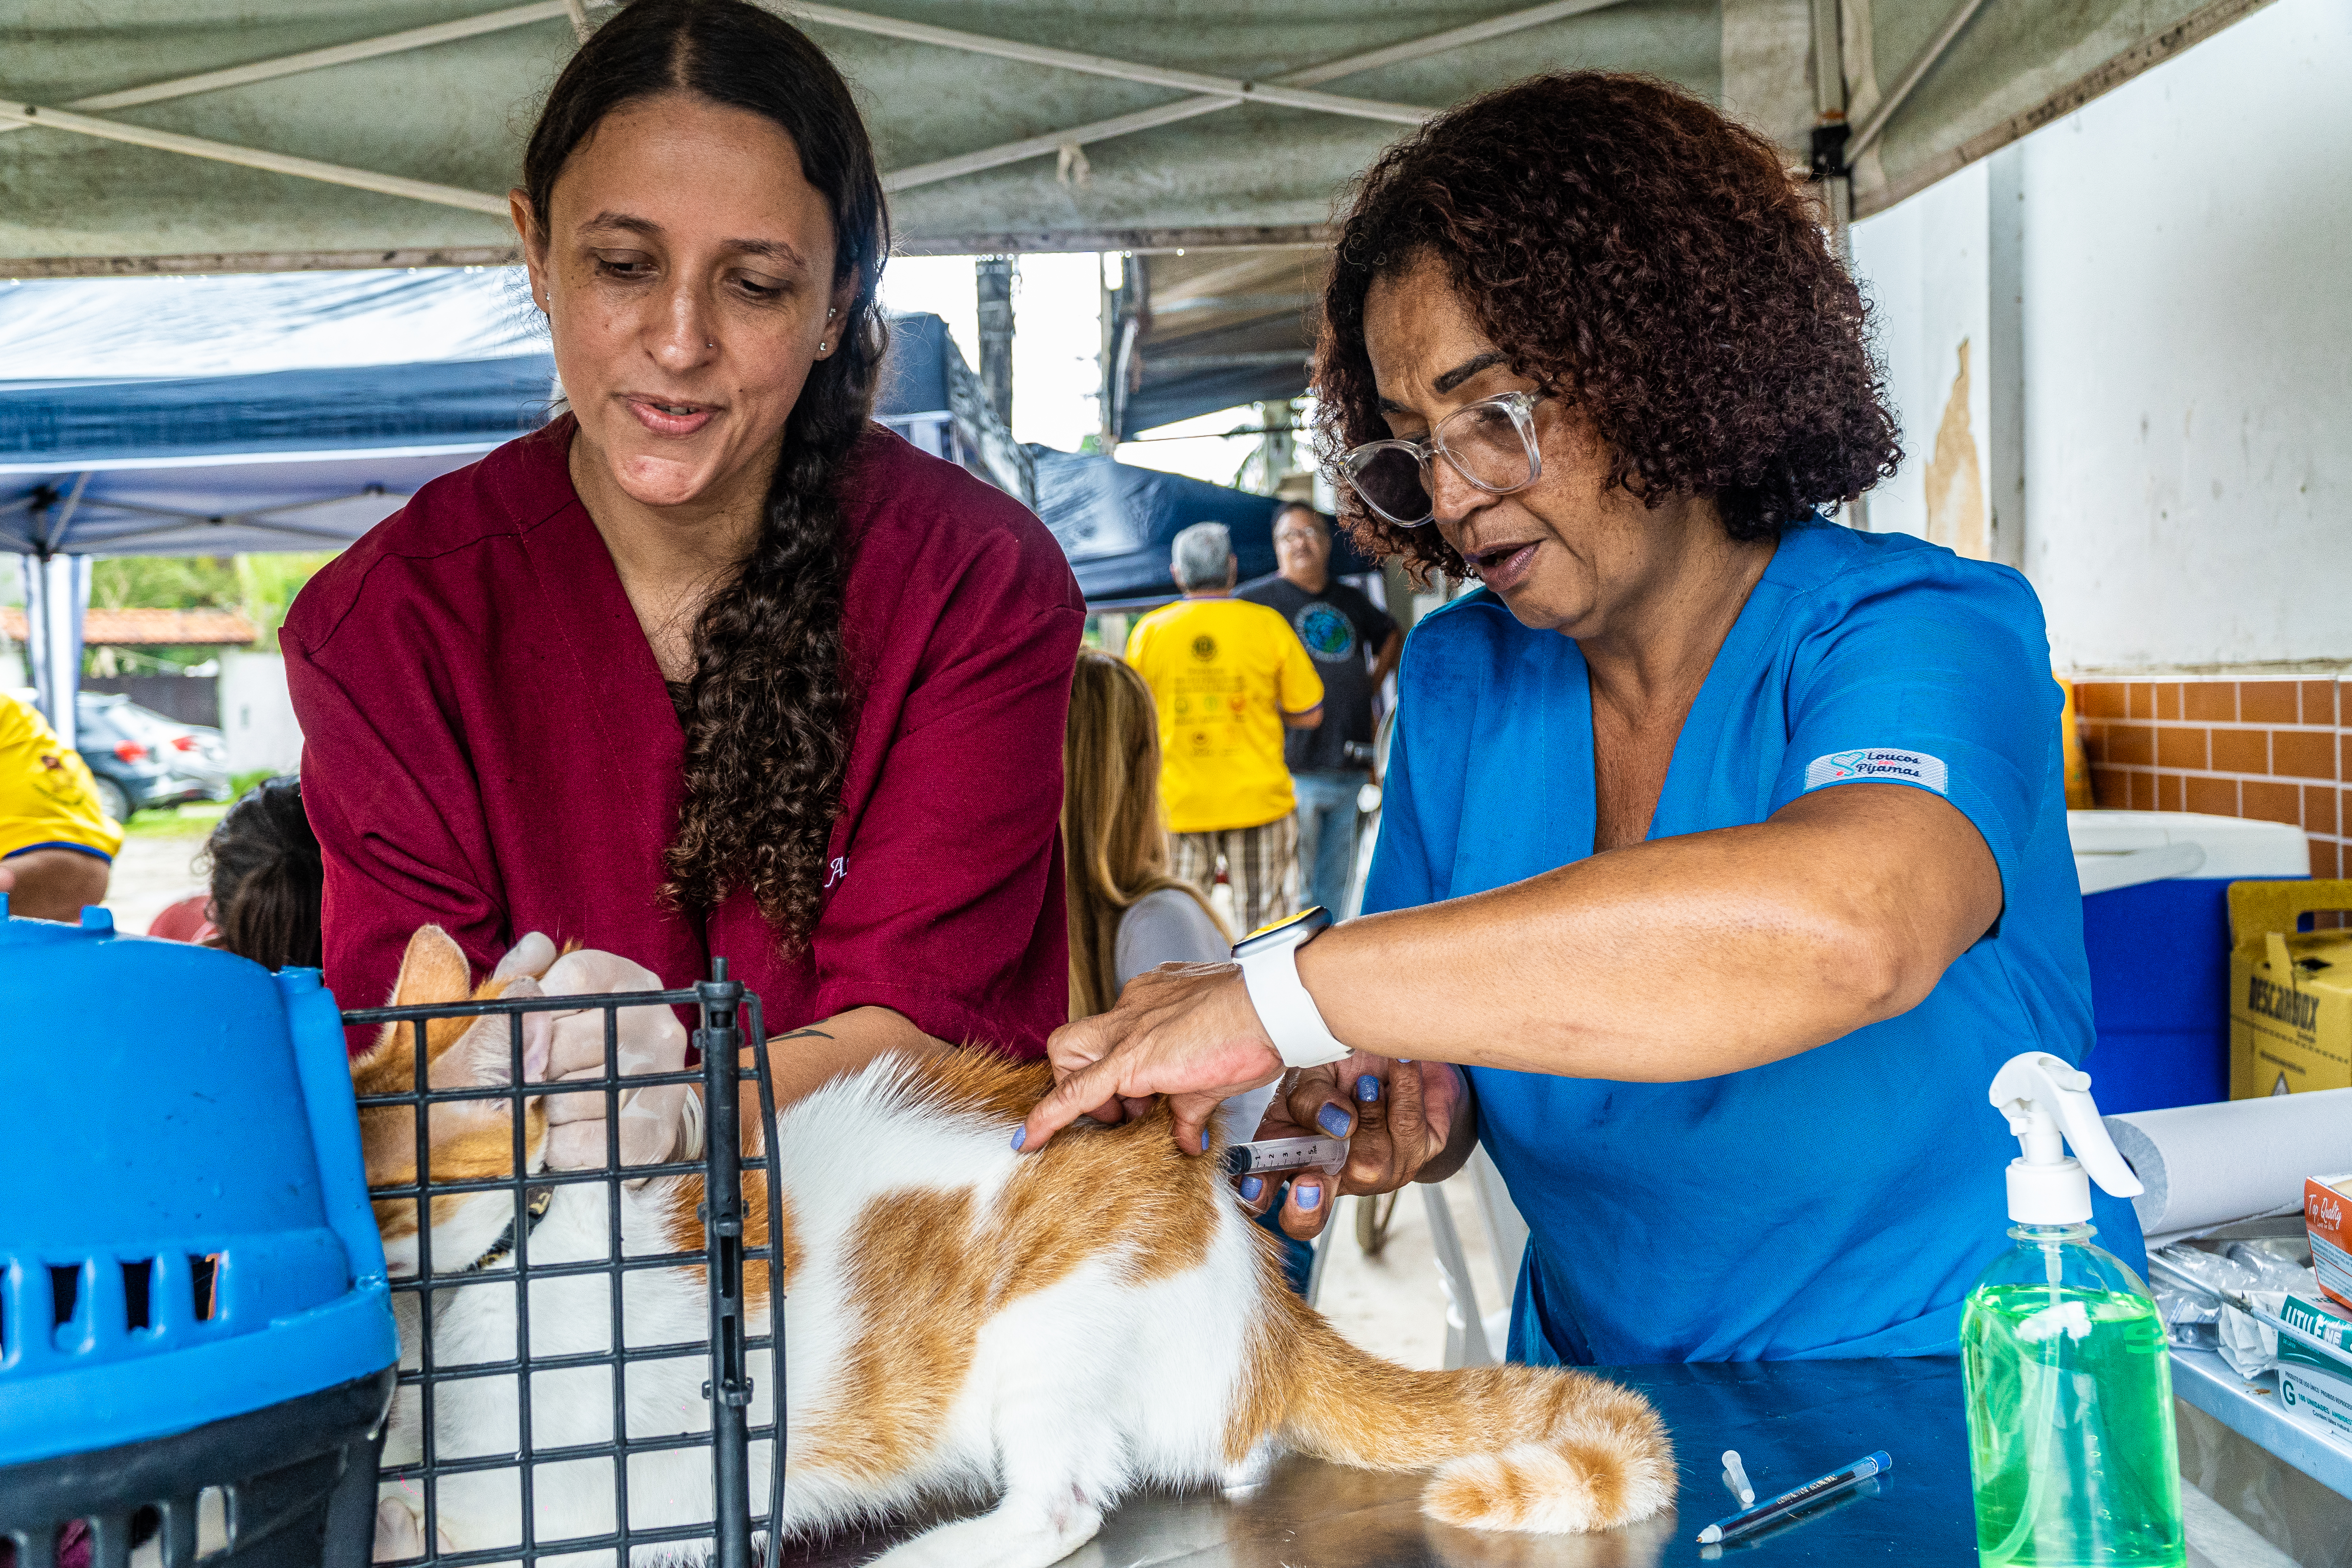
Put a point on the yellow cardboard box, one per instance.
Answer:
(2290, 991)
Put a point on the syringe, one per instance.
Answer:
(1272, 1155)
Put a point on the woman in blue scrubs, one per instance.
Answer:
(1722, 856)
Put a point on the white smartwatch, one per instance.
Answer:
(1269, 961)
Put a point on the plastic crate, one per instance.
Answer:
(195, 1323)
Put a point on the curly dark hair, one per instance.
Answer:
(1627, 248)
(769, 711)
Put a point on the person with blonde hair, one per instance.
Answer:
(1128, 911)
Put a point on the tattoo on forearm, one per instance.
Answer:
(799, 1035)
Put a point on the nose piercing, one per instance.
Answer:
(708, 344)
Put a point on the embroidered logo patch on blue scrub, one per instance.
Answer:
(1907, 767)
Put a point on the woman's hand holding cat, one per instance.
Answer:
(653, 1121)
(1185, 1030)
(1407, 1121)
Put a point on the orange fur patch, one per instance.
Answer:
(927, 1270)
(470, 1140)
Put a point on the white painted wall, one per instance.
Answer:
(12, 666)
(257, 713)
(2185, 274)
(1925, 267)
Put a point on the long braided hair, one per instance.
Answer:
(771, 706)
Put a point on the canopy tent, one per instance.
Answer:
(1116, 522)
(225, 135)
(1193, 333)
(205, 417)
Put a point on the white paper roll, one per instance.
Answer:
(2205, 1165)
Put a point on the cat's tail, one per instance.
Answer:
(1516, 1448)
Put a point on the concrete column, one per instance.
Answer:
(1279, 450)
(993, 275)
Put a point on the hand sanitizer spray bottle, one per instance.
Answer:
(2070, 1446)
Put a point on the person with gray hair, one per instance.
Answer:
(1202, 557)
(1228, 679)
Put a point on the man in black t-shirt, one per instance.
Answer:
(1354, 645)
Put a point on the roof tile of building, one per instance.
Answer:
(150, 628)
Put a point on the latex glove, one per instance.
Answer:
(657, 1123)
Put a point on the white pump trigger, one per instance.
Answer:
(2043, 1097)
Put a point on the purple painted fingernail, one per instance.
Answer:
(1332, 1119)
(1204, 1140)
(1310, 1197)
(1020, 1136)
(1368, 1088)
(1252, 1186)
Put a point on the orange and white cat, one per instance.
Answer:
(1046, 1334)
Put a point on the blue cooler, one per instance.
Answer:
(2156, 923)
(196, 1341)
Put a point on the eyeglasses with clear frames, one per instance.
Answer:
(1490, 443)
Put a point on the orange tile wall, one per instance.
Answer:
(2278, 749)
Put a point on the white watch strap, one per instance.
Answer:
(1291, 1018)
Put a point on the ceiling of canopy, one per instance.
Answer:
(213, 135)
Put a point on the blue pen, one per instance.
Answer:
(1805, 1495)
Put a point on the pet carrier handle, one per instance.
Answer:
(720, 1041)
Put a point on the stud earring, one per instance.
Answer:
(821, 347)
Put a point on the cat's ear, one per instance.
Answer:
(433, 972)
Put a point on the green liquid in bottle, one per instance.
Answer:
(2070, 1442)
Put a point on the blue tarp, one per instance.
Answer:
(1116, 522)
(295, 411)
(277, 411)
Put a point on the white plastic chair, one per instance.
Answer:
(1472, 1338)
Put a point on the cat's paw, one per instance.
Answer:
(1249, 1472)
(1012, 1537)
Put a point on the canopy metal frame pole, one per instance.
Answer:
(1029, 147)
(336, 55)
(1830, 164)
(1120, 70)
(57, 592)
(253, 158)
(18, 115)
(267, 520)
(1291, 89)
(1867, 132)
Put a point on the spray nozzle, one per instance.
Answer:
(2049, 1105)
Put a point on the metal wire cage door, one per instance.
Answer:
(548, 1406)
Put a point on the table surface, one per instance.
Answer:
(1791, 1421)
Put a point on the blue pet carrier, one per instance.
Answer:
(196, 1333)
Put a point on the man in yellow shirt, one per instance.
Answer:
(1229, 678)
(56, 848)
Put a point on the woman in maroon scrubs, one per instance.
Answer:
(710, 665)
